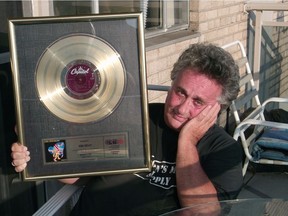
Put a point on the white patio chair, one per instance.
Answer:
(268, 150)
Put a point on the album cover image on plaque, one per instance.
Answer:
(80, 92)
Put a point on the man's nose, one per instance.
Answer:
(185, 107)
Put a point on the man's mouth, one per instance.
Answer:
(179, 117)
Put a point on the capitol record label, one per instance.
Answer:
(82, 79)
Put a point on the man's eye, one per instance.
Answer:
(180, 92)
(198, 103)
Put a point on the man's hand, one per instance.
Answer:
(20, 156)
(194, 129)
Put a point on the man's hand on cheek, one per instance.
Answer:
(195, 128)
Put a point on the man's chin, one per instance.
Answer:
(173, 123)
(176, 125)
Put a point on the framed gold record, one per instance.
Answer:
(80, 93)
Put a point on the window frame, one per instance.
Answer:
(35, 8)
(166, 29)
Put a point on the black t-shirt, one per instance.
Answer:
(155, 192)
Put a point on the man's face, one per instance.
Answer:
(190, 93)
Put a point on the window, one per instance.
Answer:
(159, 15)
(166, 15)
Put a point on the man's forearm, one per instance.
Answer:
(193, 185)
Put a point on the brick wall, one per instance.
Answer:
(159, 64)
(219, 21)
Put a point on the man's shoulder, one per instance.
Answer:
(217, 139)
(155, 109)
(155, 106)
(219, 135)
(216, 129)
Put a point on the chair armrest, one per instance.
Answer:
(58, 200)
(248, 122)
(244, 125)
(274, 99)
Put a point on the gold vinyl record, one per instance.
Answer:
(80, 78)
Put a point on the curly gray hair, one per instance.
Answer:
(215, 63)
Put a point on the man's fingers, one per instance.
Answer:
(20, 168)
(20, 156)
(20, 164)
(18, 147)
(209, 113)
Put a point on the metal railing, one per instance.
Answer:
(259, 8)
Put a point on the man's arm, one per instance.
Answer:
(193, 185)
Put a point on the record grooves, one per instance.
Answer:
(80, 78)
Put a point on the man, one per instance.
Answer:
(194, 160)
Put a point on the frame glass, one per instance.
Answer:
(75, 78)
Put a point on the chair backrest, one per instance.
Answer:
(247, 105)
(248, 98)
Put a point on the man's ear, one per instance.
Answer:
(223, 108)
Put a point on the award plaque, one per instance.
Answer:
(81, 96)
